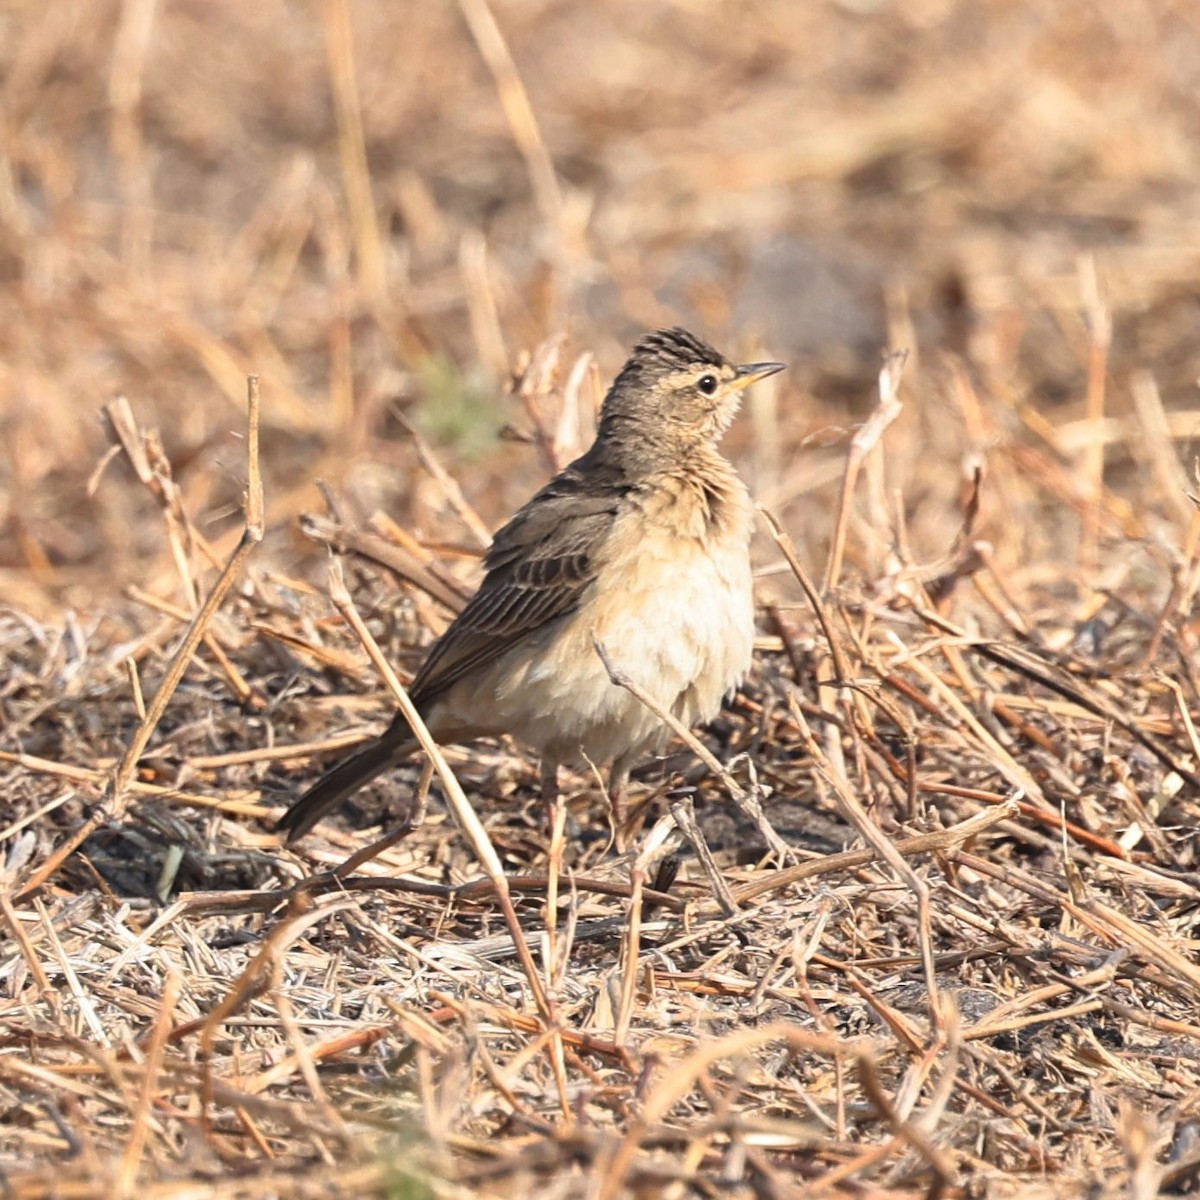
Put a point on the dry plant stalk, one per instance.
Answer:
(514, 99)
(460, 806)
(865, 439)
(113, 806)
(356, 174)
(466, 818)
(1099, 331)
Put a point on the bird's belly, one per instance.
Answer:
(676, 617)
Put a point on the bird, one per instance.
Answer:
(643, 545)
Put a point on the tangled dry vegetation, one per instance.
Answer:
(955, 804)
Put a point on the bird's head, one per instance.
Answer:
(676, 387)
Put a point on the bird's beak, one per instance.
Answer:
(753, 372)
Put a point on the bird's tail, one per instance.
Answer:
(388, 750)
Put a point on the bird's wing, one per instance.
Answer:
(539, 567)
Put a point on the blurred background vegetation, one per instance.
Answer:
(385, 208)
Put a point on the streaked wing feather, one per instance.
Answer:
(539, 568)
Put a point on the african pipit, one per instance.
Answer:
(642, 544)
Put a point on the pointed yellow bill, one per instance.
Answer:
(753, 372)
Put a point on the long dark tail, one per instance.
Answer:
(389, 749)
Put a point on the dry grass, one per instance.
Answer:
(972, 967)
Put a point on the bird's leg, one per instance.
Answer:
(550, 790)
(617, 779)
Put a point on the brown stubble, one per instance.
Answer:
(174, 214)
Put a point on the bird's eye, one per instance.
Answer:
(707, 384)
